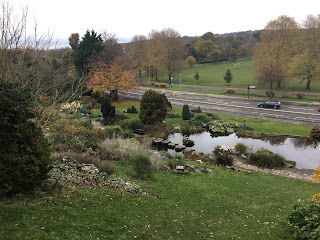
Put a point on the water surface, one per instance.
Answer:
(290, 148)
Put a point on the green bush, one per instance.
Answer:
(186, 115)
(153, 107)
(108, 111)
(106, 166)
(132, 124)
(270, 95)
(24, 151)
(304, 220)
(265, 158)
(300, 95)
(132, 110)
(142, 166)
(113, 131)
(241, 148)
(201, 117)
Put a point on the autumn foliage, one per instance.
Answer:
(111, 77)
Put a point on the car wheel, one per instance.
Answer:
(260, 106)
(275, 107)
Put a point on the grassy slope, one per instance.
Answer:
(223, 205)
(212, 75)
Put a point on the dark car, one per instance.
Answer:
(270, 104)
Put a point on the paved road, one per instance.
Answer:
(290, 112)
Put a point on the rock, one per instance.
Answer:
(243, 156)
(166, 142)
(68, 160)
(139, 131)
(172, 145)
(181, 169)
(187, 141)
(206, 170)
(90, 168)
(199, 161)
(188, 150)
(179, 147)
(157, 141)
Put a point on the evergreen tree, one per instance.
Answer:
(196, 76)
(108, 111)
(24, 151)
(153, 107)
(90, 46)
(186, 115)
(228, 77)
(167, 101)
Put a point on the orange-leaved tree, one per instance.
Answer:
(111, 77)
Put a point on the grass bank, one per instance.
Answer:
(222, 205)
(243, 74)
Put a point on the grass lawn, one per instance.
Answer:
(212, 75)
(222, 205)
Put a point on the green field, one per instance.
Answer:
(212, 75)
(222, 205)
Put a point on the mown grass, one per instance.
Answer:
(223, 205)
(212, 75)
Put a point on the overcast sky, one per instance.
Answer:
(126, 18)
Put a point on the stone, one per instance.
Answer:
(243, 156)
(68, 160)
(199, 161)
(166, 142)
(157, 141)
(179, 147)
(206, 170)
(90, 168)
(181, 169)
(188, 150)
(187, 141)
(172, 145)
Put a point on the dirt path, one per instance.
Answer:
(297, 173)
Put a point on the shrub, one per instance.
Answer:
(270, 95)
(314, 136)
(197, 76)
(159, 130)
(265, 158)
(106, 166)
(223, 158)
(172, 115)
(153, 107)
(191, 129)
(132, 110)
(162, 85)
(241, 148)
(300, 95)
(24, 151)
(108, 111)
(98, 94)
(89, 100)
(304, 221)
(132, 124)
(201, 117)
(113, 131)
(186, 115)
(142, 166)
(230, 91)
(228, 76)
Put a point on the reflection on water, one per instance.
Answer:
(291, 148)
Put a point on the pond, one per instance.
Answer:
(290, 148)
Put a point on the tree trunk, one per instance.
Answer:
(279, 84)
(156, 74)
(139, 73)
(308, 82)
(169, 78)
(271, 90)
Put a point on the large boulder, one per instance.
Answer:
(187, 141)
